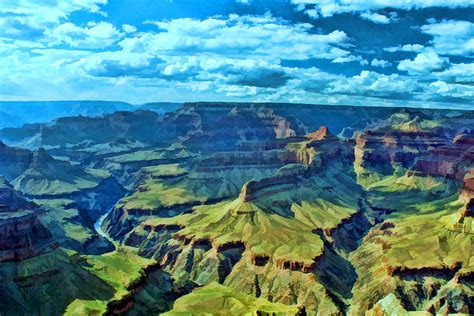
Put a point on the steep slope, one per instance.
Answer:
(36, 276)
(216, 299)
(420, 257)
(70, 196)
(251, 205)
(46, 284)
(22, 235)
(283, 227)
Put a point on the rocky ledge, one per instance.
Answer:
(22, 235)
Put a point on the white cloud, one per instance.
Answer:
(94, 35)
(237, 91)
(451, 37)
(452, 90)
(379, 18)
(328, 8)
(424, 63)
(246, 72)
(370, 83)
(312, 13)
(237, 57)
(349, 58)
(30, 15)
(129, 28)
(263, 37)
(380, 63)
(416, 48)
(460, 73)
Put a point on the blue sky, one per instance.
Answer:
(380, 52)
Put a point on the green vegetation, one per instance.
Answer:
(416, 124)
(156, 195)
(390, 305)
(279, 225)
(166, 170)
(152, 154)
(156, 192)
(48, 283)
(222, 218)
(264, 234)
(329, 215)
(118, 269)
(61, 218)
(77, 232)
(216, 299)
(57, 181)
(395, 183)
(457, 222)
(416, 237)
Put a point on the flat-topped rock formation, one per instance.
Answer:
(321, 134)
(262, 198)
(429, 153)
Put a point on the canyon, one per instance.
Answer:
(261, 208)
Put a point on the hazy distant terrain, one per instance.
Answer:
(15, 114)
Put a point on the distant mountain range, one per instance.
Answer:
(18, 113)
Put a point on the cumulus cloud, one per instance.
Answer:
(416, 48)
(261, 58)
(247, 72)
(225, 71)
(451, 37)
(14, 28)
(237, 91)
(370, 83)
(459, 73)
(21, 17)
(327, 8)
(264, 36)
(235, 51)
(380, 63)
(94, 35)
(349, 58)
(129, 28)
(424, 63)
(379, 18)
(452, 90)
(135, 66)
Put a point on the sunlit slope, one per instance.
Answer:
(215, 299)
(275, 232)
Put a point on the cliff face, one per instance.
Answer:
(272, 227)
(263, 199)
(69, 199)
(422, 172)
(216, 129)
(193, 250)
(22, 235)
(10, 199)
(13, 161)
(428, 153)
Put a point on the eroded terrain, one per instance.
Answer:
(239, 208)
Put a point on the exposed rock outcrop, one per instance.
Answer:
(424, 152)
(22, 235)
